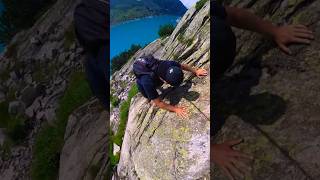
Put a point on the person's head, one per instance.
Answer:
(173, 76)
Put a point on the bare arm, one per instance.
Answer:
(282, 35)
(244, 19)
(180, 111)
(198, 72)
(186, 67)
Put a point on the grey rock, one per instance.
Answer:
(273, 99)
(28, 95)
(85, 142)
(157, 144)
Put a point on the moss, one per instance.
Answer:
(181, 134)
(189, 42)
(50, 139)
(181, 38)
(175, 56)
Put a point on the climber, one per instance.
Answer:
(151, 73)
(233, 163)
(91, 28)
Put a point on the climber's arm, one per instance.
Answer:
(180, 111)
(198, 72)
(282, 35)
(244, 19)
(231, 161)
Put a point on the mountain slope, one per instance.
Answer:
(275, 107)
(35, 71)
(156, 139)
(123, 10)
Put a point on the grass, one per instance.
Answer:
(114, 101)
(118, 137)
(50, 140)
(200, 4)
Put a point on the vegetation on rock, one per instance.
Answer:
(49, 141)
(166, 30)
(200, 4)
(124, 112)
(118, 61)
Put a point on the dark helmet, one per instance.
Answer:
(174, 76)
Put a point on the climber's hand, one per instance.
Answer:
(230, 161)
(181, 112)
(201, 72)
(285, 35)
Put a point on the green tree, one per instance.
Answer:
(118, 61)
(166, 30)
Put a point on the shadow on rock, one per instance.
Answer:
(231, 96)
(175, 94)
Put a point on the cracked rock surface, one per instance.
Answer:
(271, 100)
(157, 144)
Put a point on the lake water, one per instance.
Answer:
(140, 31)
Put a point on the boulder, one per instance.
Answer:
(85, 144)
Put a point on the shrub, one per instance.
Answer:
(166, 30)
(200, 4)
(50, 139)
(118, 61)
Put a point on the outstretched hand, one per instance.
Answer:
(201, 72)
(181, 112)
(285, 35)
(230, 161)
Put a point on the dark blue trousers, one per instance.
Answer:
(96, 67)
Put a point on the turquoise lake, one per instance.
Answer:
(141, 31)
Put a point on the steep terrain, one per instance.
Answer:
(35, 74)
(157, 144)
(275, 107)
(123, 10)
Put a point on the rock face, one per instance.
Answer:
(84, 152)
(34, 73)
(275, 107)
(157, 144)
